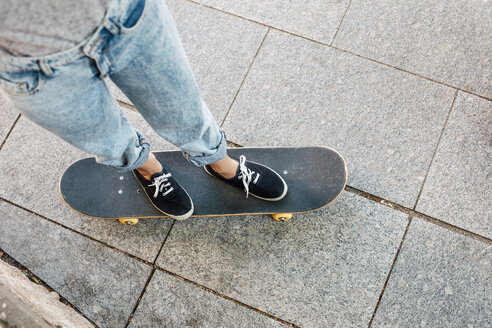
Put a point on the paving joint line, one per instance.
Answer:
(227, 297)
(416, 214)
(404, 70)
(436, 150)
(130, 318)
(244, 79)
(341, 21)
(40, 282)
(164, 242)
(390, 271)
(152, 265)
(339, 49)
(73, 230)
(10, 131)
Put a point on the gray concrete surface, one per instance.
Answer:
(102, 282)
(447, 41)
(386, 123)
(322, 269)
(171, 302)
(459, 187)
(441, 279)
(404, 93)
(316, 19)
(9, 116)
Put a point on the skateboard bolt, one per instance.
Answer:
(120, 191)
(121, 178)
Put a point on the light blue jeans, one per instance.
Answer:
(138, 47)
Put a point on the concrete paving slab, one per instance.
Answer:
(316, 20)
(459, 187)
(103, 283)
(441, 279)
(448, 41)
(220, 49)
(320, 269)
(171, 302)
(386, 123)
(9, 115)
(31, 164)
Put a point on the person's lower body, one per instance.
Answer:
(138, 47)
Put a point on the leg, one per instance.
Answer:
(154, 73)
(77, 106)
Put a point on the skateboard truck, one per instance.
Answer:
(128, 221)
(282, 216)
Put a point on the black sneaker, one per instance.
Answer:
(166, 194)
(256, 179)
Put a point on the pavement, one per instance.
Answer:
(403, 89)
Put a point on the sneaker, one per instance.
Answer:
(166, 194)
(256, 179)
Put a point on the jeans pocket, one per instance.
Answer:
(21, 83)
(132, 19)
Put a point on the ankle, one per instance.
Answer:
(226, 167)
(150, 167)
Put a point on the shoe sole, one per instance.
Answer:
(176, 217)
(286, 188)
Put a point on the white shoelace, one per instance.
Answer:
(246, 174)
(160, 184)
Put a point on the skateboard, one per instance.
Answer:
(315, 176)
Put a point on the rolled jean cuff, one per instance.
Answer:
(219, 153)
(142, 151)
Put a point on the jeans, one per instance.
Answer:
(138, 47)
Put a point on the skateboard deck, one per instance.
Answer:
(315, 176)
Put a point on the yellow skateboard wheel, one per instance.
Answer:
(282, 216)
(129, 221)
